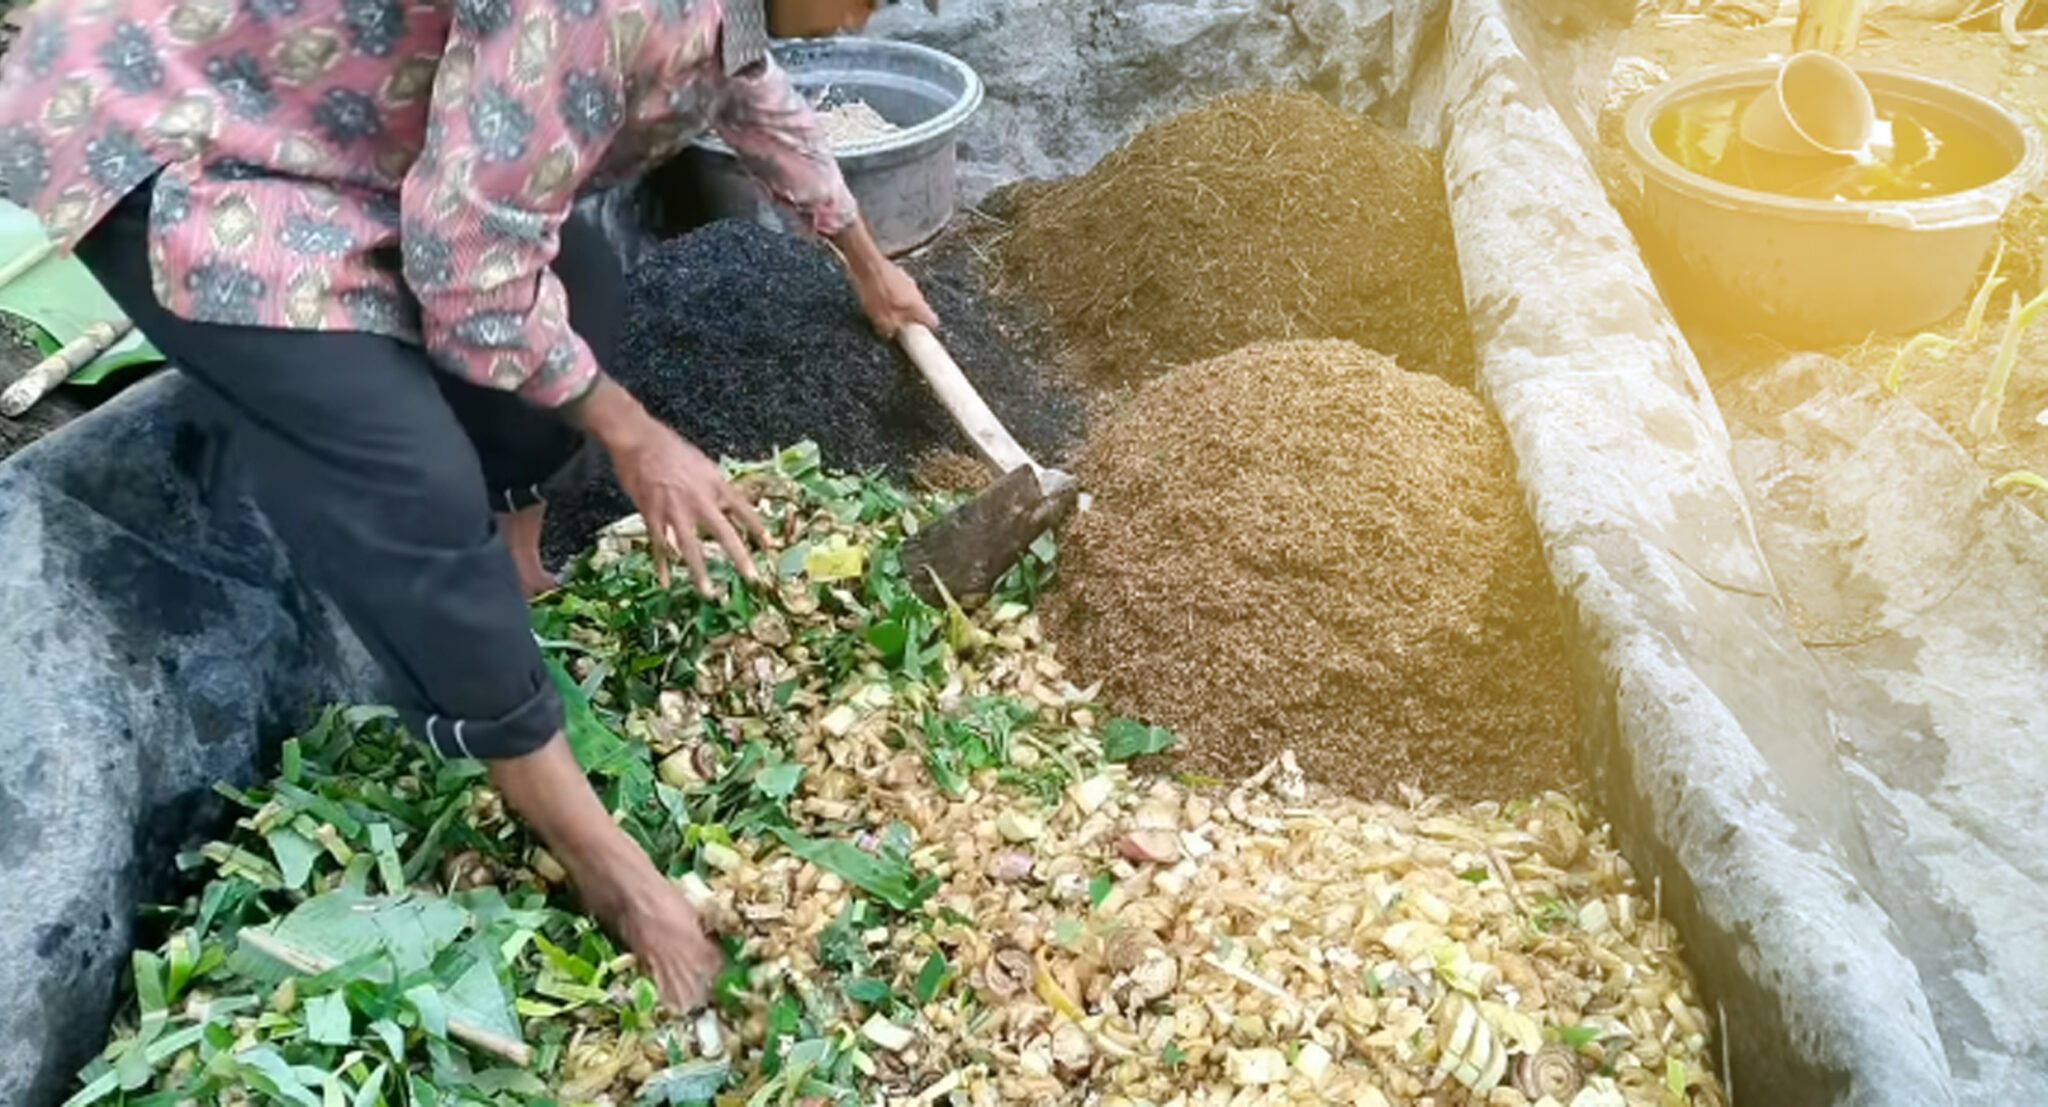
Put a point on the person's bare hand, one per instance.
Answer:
(665, 934)
(682, 496)
(888, 295)
(891, 300)
(610, 872)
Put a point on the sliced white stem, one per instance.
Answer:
(55, 369)
(22, 263)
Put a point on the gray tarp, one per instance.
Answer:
(1923, 594)
(148, 643)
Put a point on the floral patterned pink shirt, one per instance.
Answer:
(306, 146)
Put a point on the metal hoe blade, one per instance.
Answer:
(970, 549)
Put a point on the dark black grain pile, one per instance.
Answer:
(746, 341)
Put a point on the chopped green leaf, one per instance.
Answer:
(388, 868)
(184, 963)
(267, 1071)
(779, 782)
(392, 1037)
(1578, 1037)
(328, 1021)
(689, 1084)
(890, 880)
(931, 978)
(149, 982)
(867, 991)
(1099, 888)
(293, 762)
(566, 963)
(426, 1001)
(372, 1090)
(295, 854)
(890, 637)
(1124, 739)
(792, 561)
(134, 1070)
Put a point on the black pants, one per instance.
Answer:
(382, 473)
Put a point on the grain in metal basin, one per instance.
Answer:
(907, 180)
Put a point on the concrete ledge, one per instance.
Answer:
(151, 646)
(1709, 738)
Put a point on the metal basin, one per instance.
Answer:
(1822, 271)
(907, 181)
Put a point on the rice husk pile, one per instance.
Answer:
(951, 471)
(1301, 544)
(1261, 215)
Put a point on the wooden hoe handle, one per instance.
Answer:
(981, 426)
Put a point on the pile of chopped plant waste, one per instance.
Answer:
(1302, 545)
(934, 873)
(1259, 215)
(747, 340)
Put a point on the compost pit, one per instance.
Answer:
(938, 878)
(1303, 545)
(747, 340)
(1256, 216)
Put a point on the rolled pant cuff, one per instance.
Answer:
(515, 734)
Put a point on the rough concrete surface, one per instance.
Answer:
(1710, 738)
(149, 643)
(1924, 596)
(1067, 80)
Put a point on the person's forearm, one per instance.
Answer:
(605, 411)
(549, 791)
(858, 250)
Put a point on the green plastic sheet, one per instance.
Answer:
(61, 297)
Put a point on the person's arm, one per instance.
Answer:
(511, 137)
(508, 144)
(512, 134)
(612, 874)
(781, 144)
